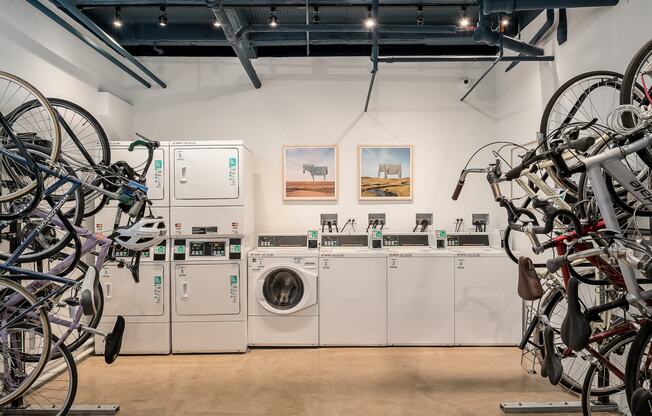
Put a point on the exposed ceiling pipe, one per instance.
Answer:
(485, 34)
(87, 23)
(234, 41)
(509, 6)
(550, 20)
(427, 59)
(277, 3)
(344, 28)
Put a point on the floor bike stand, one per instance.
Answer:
(555, 407)
(79, 410)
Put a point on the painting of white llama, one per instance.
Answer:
(385, 172)
(310, 172)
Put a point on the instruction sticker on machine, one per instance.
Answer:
(158, 289)
(235, 290)
(233, 171)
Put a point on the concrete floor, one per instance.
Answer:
(332, 381)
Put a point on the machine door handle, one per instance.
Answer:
(310, 265)
(184, 290)
(184, 178)
(109, 290)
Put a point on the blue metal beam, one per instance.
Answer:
(65, 25)
(87, 23)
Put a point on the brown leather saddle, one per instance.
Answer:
(529, 285)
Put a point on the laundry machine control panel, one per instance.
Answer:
(468, 239)
(156, 253)
(406, 240)
(345, 240)
(207, 249)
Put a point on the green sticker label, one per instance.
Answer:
(441, 233)
(234, 280)
(145, 253)
(378, 234)
(235, 248)
(158, 164)
(180, 249)
(158, 280)
(312, 234)
(161, 249)
(232, 162)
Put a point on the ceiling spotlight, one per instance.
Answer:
(464, 20)
(420, 18)
(117, 18)
(505, 21)
(369, 22)
(216, 22)
(162, 17)
(315, 15)
(273, 20)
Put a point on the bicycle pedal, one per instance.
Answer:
(113, 341)
(71, 301)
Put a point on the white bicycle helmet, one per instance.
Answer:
(143, 234)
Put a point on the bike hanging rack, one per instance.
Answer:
(90, 409)
(555, 407)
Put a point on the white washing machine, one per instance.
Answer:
(209, 309)
(488, 310)
(211, 188)
(144, 304)
(283, 285)
(420, 291)
(352, 291)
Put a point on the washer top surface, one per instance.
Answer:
(478, 251)
(418, 252)
(284, 252)
(351, 252)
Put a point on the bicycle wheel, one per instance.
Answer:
(581, 99)
(41, 129)
(602, 385)
(84, 144)
(51, 239)
(55, 390)
(638, 369)
(18, 339)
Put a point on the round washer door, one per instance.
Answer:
(284, 290)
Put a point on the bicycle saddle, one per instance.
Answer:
(575, 329)
(529, 285)
(113, 341)
(551, 366)
(90, 296)
(641, 402)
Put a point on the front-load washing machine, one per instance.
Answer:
(145, 304)
(420, 291)
(352, 291)
(283, 284)
(209, 310)
(488, 310)
(211, 188)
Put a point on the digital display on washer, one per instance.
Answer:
(481, 240)
(282, 241)
(405, 240)
(345, 240)
(207, 249)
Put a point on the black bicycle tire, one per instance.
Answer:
(629, 80)
(543, 126)
(585, 397)
(642, 339)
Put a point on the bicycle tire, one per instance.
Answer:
(637, 351)
(45, 330)
(630, 82)
(550, 107)
(55, 146)
(605, 351)
(35, 396)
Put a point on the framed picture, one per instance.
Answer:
(385, 173)
(310, 173)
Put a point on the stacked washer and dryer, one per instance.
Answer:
(145, 304)
(211, 218)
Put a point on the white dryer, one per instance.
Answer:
(211, 188)
(209, 309)
(144, 304)
(420, 291)
(283, 284)
(488, 310)
(352, 291)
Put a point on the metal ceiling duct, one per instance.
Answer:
(509, 6)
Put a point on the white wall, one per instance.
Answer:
(320, 101)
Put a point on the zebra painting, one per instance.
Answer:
(390, 169)
(315, 170)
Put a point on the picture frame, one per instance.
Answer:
(303, 167)
(382, 172)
